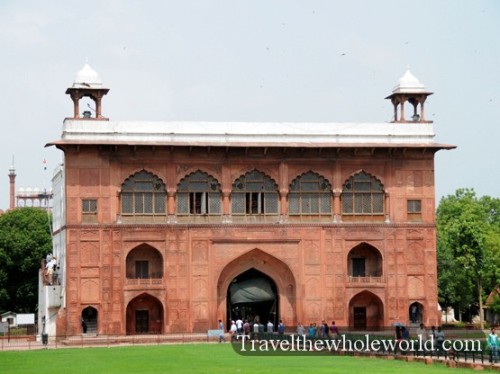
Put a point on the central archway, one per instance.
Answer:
(257, 264)
(253, 296)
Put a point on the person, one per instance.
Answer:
(256, 328)
(439, 336)
(432, 333)
(325, 330)
(50, 267)
(270, 327)
(233, 330)
(399, 332)
(300, 329)
(221, 335)
(281, 327)
(50, 275)
(246, 328)
(311, 331)
(334, 330)
(405, 333)
(261, 328)
(239, 326)
(414, 311)
(493, 346)
(421, 333)
(84, 326)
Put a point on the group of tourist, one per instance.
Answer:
(438, 336)
(50, 268)
(321, 330)
(240, 327)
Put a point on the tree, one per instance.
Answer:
(467, 247)
(25, 240)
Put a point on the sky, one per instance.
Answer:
(253, 60)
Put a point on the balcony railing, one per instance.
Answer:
(143, 281)
(363, 280)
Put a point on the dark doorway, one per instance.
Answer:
(89, 320)
(253, 296)
(141, 321)
(359, 317)
(415, 313)
(358, 267)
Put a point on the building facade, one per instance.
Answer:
(170, 226)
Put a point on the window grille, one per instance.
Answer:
(198, 194)
(362, 194)
(89, 211)
(310, 194)
(143, 194)
(254, 194)
(414, 206)
(89, 206)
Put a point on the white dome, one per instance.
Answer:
(87, 78)
(408, 83)
(21, 190)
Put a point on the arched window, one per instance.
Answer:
(254, 193)
(362, 194)
(143, 194)
(310, 194)
(198, 193)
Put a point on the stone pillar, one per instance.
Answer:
(284, 205)
(387, 208)
(12, 180)
(226, 208)
(76, 105)
(171, 204)
(337, 212)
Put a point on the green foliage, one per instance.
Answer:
(468, 247)
(24, 241)
(495, 305)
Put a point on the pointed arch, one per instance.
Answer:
(363, 195)
(198, 193)
(366, 311)
(254, 193)
(144, 315)
(144, 262)
(364, 263)
(416, 313)
(143, 193)
(310, 194)
(277, 271)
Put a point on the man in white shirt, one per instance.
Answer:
(239, 326)
(270, 326)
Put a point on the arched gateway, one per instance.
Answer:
(144, 315)
(257, 284)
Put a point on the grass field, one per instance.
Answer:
(196, 358)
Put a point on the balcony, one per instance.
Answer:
(143, 284)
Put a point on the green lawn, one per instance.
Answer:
(195, 358)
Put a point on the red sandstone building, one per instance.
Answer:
(166, 227)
